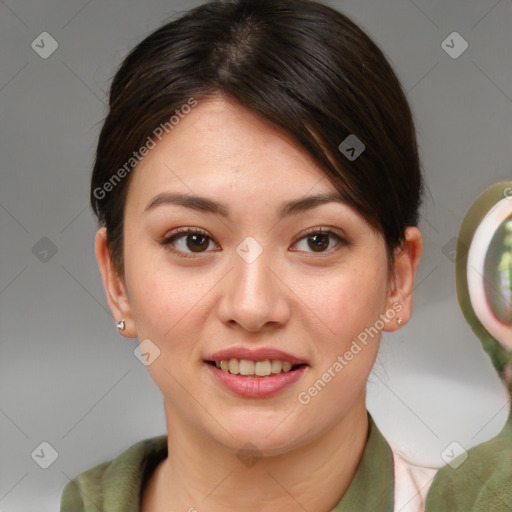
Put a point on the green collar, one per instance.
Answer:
(116, 486)
(372, 488)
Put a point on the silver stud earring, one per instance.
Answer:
(120, 325)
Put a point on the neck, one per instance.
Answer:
(202, 475)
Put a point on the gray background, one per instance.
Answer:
(69, 379)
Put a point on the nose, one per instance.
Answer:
(254, 296)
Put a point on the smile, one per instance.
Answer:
(247, 367)
(246, 383)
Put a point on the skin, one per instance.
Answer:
(310, 304)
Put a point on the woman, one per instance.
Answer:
(257, 185)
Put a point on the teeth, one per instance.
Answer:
(262, 368)
(276, 366)
(246, 367)
(258, 368)
(234, 366)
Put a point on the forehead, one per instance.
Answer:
(222, 147)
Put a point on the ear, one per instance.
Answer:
(407, 258)
(115, 288)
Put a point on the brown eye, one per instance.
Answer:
(186, 240)
(196, 243)
(319, 240)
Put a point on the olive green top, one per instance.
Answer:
(482, 483)
(117, 485)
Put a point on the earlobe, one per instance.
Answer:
(115, 289)
(407, 258)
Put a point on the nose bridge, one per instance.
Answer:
(252, 280)
(253, 296)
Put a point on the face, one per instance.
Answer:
(249, 281)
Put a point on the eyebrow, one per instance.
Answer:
(206, 205)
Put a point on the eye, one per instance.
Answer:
(196, 240)
(318, 239)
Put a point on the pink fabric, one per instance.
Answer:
(411, 485)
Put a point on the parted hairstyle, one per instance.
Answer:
(303, 66)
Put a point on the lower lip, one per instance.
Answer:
(256, 387)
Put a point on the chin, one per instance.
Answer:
(267, 437)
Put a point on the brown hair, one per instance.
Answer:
(298, 63)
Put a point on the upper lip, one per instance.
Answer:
(254, 354)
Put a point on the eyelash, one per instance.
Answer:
(183, 232)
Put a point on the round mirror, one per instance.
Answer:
(489, 272)
(484, 273)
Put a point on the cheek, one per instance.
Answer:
(165, 299)
(348, 305)
(346, 301)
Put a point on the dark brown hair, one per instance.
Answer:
(298, 63)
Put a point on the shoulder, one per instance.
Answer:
(85, 490)
(478, 480)
(119, 478)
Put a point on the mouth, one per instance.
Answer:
(266, 368)
(252, 372)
